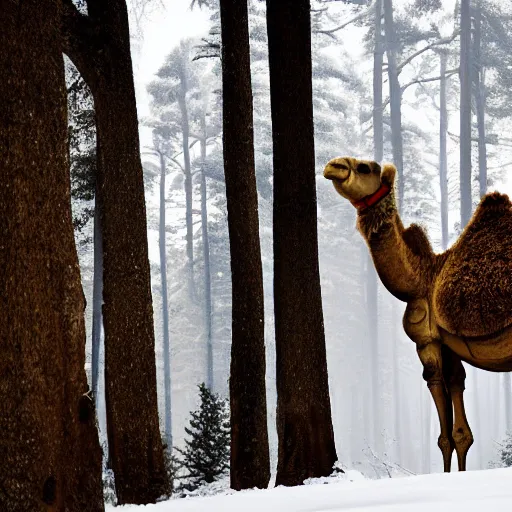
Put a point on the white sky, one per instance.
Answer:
(163, 31)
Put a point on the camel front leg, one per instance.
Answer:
(462, 435)
(431, 356)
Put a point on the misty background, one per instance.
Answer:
(383, 416)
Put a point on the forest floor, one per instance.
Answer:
(473, 491)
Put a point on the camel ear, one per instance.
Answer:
(388, 175)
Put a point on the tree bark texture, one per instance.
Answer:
(395, 97)
(99, 45)
(165, 308)
(250, 459)
(50, 458)
(304, 423)
(465, 113)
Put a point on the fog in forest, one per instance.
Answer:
(383, 416)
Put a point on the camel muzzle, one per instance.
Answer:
(333, 172)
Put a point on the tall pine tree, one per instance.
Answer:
(50, 457)
(250, 461)
(304, 422)
(99, 46)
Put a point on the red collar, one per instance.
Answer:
(372, 199)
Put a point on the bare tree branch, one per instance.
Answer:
(430, 79)
(178, 164)
(357, 17)
(440, 42)
(493, 141)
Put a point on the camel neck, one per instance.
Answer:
(372, 199)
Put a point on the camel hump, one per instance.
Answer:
(418, 242)
(473, 289)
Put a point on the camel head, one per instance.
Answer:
(352, 178)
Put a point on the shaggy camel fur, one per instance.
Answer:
(459, 303)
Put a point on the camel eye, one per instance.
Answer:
(364, 169)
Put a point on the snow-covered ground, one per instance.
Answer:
(474, 491)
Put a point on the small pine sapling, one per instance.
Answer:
(206, 453)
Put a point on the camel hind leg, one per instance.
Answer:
(455, 379)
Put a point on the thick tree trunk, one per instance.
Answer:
(443, 153)
(250, 462)
(395, 96)
(304, 423)
(50, 458)
(165, 308)
(130, 374)
(465, 113)
(206, 259)
(99, 45)
(97, 300)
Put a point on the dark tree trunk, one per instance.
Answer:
(206, 258)
(395, 97)
(443, 154)
(479, 93)
(304, 424)
(50, 457)
(97, 300)
(103, 58)
(465, 113)
(165, 308)
(250, 461)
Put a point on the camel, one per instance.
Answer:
(459, 302)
